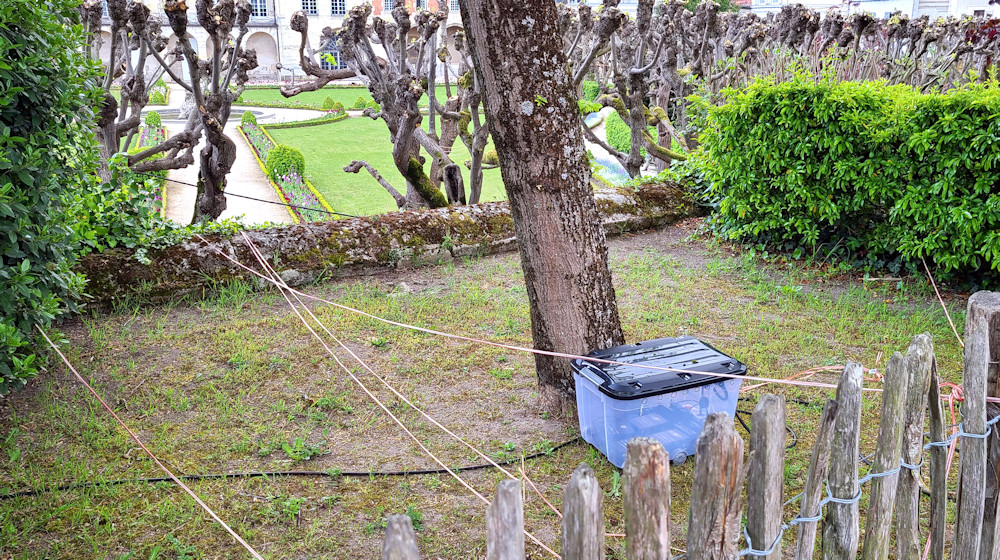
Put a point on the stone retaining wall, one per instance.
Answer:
(304, 252)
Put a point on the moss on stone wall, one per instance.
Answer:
(306, 252)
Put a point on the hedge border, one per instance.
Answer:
(325, 119)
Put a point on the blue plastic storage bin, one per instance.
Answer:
(617, 403)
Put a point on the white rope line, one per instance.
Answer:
(176, 480)
(280, 283)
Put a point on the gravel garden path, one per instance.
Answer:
(246, 177)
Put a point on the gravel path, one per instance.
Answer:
(246, 177)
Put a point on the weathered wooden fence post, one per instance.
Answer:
(919, 359)
(714, 518)
(505, 523)
(400, 543)
(816, 475)
(969, 526)
(878, 521)
(939, 468)
(647, 500)
(840, 530)
(766, 475)
(583, 517)
(984, 311)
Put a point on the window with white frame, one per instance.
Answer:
(979, 13)
(310, 7)
(330, 58)
(104, 9)
(338, 7)
(454, 6)
(387, 5)
(419, 4)
(258, 8)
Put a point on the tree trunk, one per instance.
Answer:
(532, 114)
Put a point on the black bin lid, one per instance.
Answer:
(636, 381)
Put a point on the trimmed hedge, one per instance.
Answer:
(888, 174)
(328, 103)
(617, 132)
(248, 118)
(283, 159)
(153, 119)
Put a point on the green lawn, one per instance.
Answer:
(314, 99)
(328, 148)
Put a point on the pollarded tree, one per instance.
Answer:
(214, 83)
(398, 75)
(531, 110)
(135, 42)
(648, 67)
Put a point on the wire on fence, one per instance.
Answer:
(831, 499)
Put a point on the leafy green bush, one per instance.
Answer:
(328, 103)
(46, 153)
(338, 107)
(359, 103)
(283, 159)
(157, 97)
(153, 119)
(490, 157)
(950, 208)
(883, 173)
(248, 118)
(373, 105)
(590, 90)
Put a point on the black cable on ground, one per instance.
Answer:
(332, 473)
(253, 198)
(795, 437)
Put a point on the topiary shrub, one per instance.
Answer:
(328, 103)
(157, 98)
(153, 119)
(47, 153)
(590, 90)
(491, 157)
(375, 106)
(359, 104)
(338, 107)
(283, 159)
(617, 132)
(248, 118)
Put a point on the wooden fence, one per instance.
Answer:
(833, 488)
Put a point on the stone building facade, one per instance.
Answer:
(271, 34)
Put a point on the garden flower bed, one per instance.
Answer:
(292, 188)
(155, 190)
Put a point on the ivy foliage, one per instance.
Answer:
(122, 213)
(46, 151)
(888, 175)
